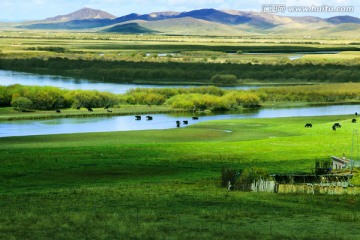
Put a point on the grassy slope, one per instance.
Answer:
(165, 184)
(129, 28)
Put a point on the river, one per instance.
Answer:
(128, 123)
(160, 121)
(29, 79)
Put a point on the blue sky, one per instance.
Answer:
(40, 9)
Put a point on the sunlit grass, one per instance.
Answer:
(165, 183)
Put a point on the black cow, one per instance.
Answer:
(337, 125)
(308, 125)
(178, 123)
(354, 120)
(355, 113)
(90, 109)
(149, 118)
(185, 122)
(334, 127)
(195, 118)
(78, 108)
(137, 117)
(58, 111)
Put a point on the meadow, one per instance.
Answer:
(180, 60)
(165, 184)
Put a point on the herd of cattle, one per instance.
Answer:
(185, 122)
(137, 117)
(178, 123)
(334, 126)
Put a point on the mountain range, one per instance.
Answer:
(197, 22)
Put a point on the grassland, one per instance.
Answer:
(166, 184)
(179, 59)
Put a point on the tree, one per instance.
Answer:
(21, 103)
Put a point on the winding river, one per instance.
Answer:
(160, 121)
(128, 123)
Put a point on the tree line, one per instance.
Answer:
(190, 99)
(190, 72)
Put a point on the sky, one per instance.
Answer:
(15, 10)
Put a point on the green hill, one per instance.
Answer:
(129, 28)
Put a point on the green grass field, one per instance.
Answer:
(180, 60)
(165, 184)
(114, 47)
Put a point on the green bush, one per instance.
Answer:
(248, 176)
(21, 103)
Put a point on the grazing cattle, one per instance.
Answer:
(149, 118)
(308, 125)
(334, 127)
(337, 125)
(58, 111)
(137, 117)
(355, 113)
(185, 122)
(109, 110)
(354, 120)
(90, 109)
(195, 118)
(78, 108)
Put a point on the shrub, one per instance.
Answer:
(21, 103)
(228, 175)
(248, 176)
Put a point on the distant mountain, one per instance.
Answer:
(197, 22)
(191, 26)
(343, 19)
(82, 14)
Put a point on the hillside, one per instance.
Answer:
(191, 26)
(129, 28)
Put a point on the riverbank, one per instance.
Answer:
(9, 114)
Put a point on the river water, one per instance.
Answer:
(160, 121)
(28, 79)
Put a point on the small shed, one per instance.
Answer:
(340, 163)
